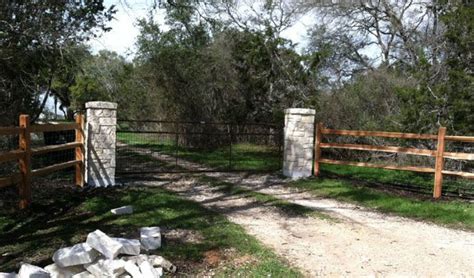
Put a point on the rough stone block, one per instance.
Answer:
(107, 121)
(32, 271)
(136, 259)
(300, 111)
(122, 210)
(63, 272)
(150, 238)
(130, 246)
(106, 268)
(133, 270)
(298, 149)
(104, 244)
(162, 262)
(107, 130)
(154, 260)
(148, 271)
(101, 105)
(84, 274)
(78, 254)
(159, 271)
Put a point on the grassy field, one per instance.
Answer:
(451, 213)
(244, 156)
(419, 181)
(64, 218)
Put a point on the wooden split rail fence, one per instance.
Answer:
(439, 154)
(25, 153)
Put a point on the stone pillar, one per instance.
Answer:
(299, 143)
(101, 126)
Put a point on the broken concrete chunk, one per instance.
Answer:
(148, 271)
(122, 210)
(159, 270)
(78, 254)
(155, 261)
(150, 238)
(162, 262)
(136, 259)
(84, 274)
(129, 246)
(63, 272)
(133, 269)
(7, 275)
(104, 244)
(31, 271)
(106, 268)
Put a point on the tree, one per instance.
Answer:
(108, 76)
(33, 36)
(221, 70)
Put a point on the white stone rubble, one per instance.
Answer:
(83, 260)
(78, 254)
(133, 269)
(32, 271)
(106, 268)
(129, 246)
(150, 237)
(122, 210)
(148, 271)
(63, 272)
(84, 274)
(162, 262)
(155, 261)
(104, 244)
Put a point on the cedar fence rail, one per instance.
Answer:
(439, 154)
(25, 153)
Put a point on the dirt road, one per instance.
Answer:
(354, 242)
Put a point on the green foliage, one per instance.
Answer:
(205, 72)
(33, 35)
(460, 85)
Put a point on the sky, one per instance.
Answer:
(121, 38)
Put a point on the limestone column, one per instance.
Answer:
(101, 119)
(298, 143)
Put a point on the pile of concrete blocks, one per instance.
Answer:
(104, 256)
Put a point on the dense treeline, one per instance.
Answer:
(389, 65)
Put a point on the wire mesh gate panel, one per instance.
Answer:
(148, 146)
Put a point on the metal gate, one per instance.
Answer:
(150, 146)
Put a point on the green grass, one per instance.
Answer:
(67, 218)
(393, 177)
(456, 214)
(244, 156)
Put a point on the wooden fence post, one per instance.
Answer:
(80, 150)
(317, 148)
(25, 162)
(438, 180)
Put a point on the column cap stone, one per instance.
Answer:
(300, 111)
(101, 105)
